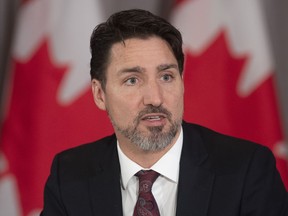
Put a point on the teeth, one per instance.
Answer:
(154, 117)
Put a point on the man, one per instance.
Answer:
(136, 70)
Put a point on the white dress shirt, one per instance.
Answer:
(164, 188)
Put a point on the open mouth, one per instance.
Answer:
(153, 117)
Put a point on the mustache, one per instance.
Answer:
(152, 109)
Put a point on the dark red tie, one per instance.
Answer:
(146, 204)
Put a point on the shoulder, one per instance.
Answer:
(227, 152)
(214, 140)
(243, 170)
(86, 158)
(94, 148)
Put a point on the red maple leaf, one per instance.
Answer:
(37, 127)
(211, 98)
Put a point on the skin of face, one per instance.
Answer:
(144, 90)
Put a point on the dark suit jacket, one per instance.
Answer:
(219, 176)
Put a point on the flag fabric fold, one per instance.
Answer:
(229, 72)
(50, 106)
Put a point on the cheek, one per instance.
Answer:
(176, 102)
(178, 106)
(121, 109)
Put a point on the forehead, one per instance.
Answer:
(141, 51)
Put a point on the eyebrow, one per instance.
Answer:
(139, 69)
(163, 67)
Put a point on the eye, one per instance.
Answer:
(167, 77)
(131, 81)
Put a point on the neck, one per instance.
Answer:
(145, 159)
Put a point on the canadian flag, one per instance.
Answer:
(229, 73)
(50, 106)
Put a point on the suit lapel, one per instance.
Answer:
(195, 179)
(104, 186)
(194, 187)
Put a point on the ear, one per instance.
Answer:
(98, 94)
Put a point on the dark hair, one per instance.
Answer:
(135, 23)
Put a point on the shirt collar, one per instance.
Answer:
(168, 165)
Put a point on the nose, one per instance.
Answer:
(153, 94)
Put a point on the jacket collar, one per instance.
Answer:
(194, 187)
(195, 180)
(104, 186)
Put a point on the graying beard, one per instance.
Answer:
(156, 141)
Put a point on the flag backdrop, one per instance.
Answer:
(228, 78)
(51, 107)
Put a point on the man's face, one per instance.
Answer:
(143, 94)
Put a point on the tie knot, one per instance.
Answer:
(146, 179)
